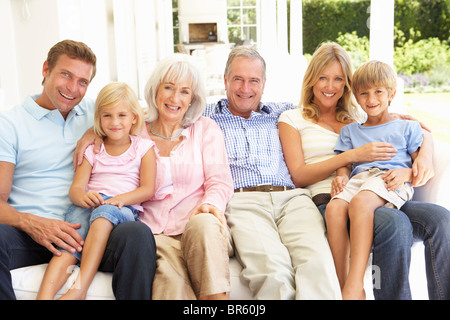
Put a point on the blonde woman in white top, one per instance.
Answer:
(308, 136)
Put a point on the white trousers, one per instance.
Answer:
(281, 243)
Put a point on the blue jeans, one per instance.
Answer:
(394, 233)
(130, 255)
(86, 216)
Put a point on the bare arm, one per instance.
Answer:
(87, 139)
(46, 232)
(146, 188)
(306, 174)
(423, 169)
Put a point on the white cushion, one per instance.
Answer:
(26, 282)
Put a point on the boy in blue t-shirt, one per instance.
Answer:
(372, 184)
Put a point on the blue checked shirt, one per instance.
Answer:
(253, 145)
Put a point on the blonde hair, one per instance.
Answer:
(374, 74)
(347, 108)
(175, 68)
(110, 96)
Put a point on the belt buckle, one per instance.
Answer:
(264, 187)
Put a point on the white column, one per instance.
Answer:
(382, 31)
(282, 30)
(268, 25)
(9, 82)
(165, 27)
(124, 30)
(296, 28)
(146, 41)
(382, 43)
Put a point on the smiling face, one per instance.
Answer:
(173, 99)
(329, 88)
(65, 85)
(375, 102)
(116, 122)
(244, 85)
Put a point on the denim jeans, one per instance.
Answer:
(394, 233)
(85, 216)
(130, 255)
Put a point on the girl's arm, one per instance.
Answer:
(304, 175)
(146, 188)
(77, 191)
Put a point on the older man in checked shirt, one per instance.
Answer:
(278, 233)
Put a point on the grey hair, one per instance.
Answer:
(247, 52)
(175, 68)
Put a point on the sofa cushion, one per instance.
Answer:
(26, 282)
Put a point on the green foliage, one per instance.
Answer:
(421, 41)
(323, 20)
(421, 56)
(357, 47)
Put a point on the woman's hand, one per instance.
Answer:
(374, 151)
(208, 208)
(422, 169)
(338, 184)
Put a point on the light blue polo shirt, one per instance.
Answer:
(40, 143)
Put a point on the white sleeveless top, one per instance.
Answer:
(318, 145)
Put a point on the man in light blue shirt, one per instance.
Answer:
(37, 141)
(278, 233)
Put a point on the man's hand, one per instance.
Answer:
(87, 139)
(52, 233)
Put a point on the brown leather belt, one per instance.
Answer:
(263, 188)
(321, 198)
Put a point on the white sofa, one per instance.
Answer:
(26, 280)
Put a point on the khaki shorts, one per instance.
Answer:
(372, 180)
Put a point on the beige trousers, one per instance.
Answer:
(195, 263)
(280, 241)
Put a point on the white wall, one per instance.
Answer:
(127, 36)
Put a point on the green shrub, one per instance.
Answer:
(421, 56)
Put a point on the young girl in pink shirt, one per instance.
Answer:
(107, 188)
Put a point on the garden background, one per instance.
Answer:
(421, 49)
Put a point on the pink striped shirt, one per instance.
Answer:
(200, 174)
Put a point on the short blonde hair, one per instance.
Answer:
(110, 96)
(175, 68)
(374, 74)
(347, 109)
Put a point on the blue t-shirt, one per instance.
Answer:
(40, 143)
(406, 136)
